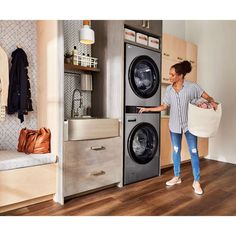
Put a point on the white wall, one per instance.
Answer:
(216, 42)
(51, 88)
(174, 27)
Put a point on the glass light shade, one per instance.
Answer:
(86, 35)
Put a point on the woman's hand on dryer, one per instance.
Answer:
(143, 109)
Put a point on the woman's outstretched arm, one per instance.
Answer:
(148, 109)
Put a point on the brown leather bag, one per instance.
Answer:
(34, 141)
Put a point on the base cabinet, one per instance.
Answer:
(91, 164)
(166, 146)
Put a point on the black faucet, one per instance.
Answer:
(75, 113)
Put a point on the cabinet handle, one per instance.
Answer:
(98, 148)
(148, 24)
(166, 81)
(132, 120)
(179, 58)
(143, 23)
(166, 54)
(98, 173)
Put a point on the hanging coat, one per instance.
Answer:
(19, 95)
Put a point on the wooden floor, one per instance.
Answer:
(153, 198)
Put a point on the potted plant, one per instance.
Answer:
(68, 58)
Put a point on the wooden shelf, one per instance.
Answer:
(77, 68)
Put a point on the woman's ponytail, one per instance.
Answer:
(182, 68)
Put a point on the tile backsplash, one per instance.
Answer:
(71, 80)
(24, 34)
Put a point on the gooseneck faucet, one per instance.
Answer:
(75, 112)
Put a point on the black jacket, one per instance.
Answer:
(19, 96)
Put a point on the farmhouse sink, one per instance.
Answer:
(90, 128)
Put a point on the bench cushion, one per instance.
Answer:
(13, 160)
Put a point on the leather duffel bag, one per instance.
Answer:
(34, 141)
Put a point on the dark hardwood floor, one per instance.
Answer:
(153, 198)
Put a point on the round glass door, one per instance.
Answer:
(144, 76)
(143, 143)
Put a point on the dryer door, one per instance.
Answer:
(144, 77)
(143, 143)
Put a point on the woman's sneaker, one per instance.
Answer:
(173, 181)
(197, 188)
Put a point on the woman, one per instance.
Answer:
(177, 97)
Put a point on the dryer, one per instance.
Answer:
(142, 76)
(141, 147)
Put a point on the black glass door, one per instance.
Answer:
(144, 76)
(143, 143)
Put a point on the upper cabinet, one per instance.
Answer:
(175, 50)
(191, 53)
(180, 50)
(191, 56)
(151, 26)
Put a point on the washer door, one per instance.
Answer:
(144, 76)
(143, 143)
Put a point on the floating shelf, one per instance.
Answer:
(77, 68)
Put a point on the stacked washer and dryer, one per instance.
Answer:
(141, 131)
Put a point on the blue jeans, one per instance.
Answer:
(192, 146)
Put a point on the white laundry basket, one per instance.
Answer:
(203, 122)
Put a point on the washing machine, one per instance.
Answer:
(141, 147)
(142, 76)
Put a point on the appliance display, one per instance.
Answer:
(141, 131)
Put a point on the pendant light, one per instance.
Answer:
(86, 34)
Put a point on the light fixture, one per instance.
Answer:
(86, 34)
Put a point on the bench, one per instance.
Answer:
(26, 179)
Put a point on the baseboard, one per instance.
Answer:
(25, 203)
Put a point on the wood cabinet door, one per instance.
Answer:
(184, 151)
(168, 47)
(154, 27)
(136, 24)
(166, 147)
(150, 26)
(192, 76)
(191, 53)
(203, 147)
(166, 65)
(179, 49)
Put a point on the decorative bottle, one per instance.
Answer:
(75, 56)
